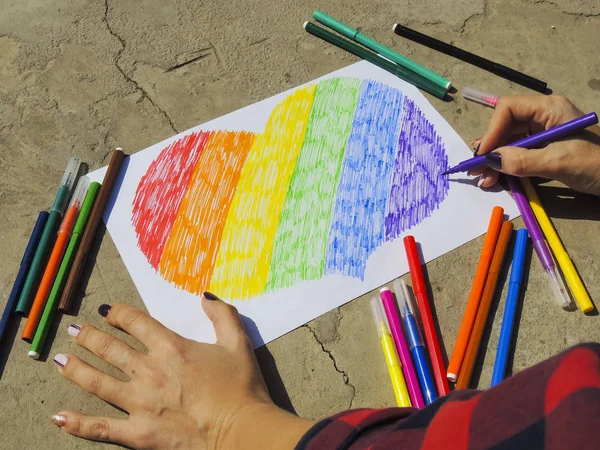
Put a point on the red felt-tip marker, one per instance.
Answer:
(431, 339)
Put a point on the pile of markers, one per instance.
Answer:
(57, 251)
(405, 68)
(396, 321)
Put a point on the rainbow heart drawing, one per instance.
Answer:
(342, 166)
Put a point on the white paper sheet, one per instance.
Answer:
(461, 216)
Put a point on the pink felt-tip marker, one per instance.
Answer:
(480, 97)
(410, 375)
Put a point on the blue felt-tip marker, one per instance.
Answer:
(415, 341)
(512, 298)
(36, 234)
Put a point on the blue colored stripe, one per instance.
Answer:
(358, 220)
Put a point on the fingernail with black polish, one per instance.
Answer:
(103, 310)
(477, 149)
(210, 296)
(60, 360)
(494, 160)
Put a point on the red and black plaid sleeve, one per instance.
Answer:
(553, 405)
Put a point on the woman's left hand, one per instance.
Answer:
(182, 394)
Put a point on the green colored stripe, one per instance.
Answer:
(301, 239)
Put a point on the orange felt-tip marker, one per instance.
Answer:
(464, 333)
(466, 369)
(62, 240)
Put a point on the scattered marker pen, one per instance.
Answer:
(63, 272)
(36, 234)
(512, 298)
(480, 97)
(415, 341)
(563, 259)
(427, 321)
(390, 355)
(55, 260)
(533, 141)
(380, 49)
(48, 236)
(408, 368)
(539, 244)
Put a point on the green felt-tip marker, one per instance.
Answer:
(381, 49)
(63, 272)
(48, 237)
(401, 72)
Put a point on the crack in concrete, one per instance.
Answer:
(568, 13)
(344, 374)
(472, 16)
(127, 77)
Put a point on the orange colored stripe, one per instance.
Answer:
(62, 240)
(190, 252)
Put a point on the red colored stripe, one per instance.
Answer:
(160, 192)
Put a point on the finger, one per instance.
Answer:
(226, 321)
(138, 324)
(475, 145)
(93, 381)
(511, 113)
(522, 162)
(105, 429)
(109, 348)
(488, 179)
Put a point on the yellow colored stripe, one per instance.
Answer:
(242, 266)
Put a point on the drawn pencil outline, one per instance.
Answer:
(342, 167)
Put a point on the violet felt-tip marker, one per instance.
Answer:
(535, 140)
(539, 244)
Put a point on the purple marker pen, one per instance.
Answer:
(541, 248)
(535, 140)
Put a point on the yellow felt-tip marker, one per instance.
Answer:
(560, 253)
(390, 354)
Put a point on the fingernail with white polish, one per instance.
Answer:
(60, 360)
(74, 330)
(58, 420)
(480, 182)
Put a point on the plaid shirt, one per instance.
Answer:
(553, 405)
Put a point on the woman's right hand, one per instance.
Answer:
(574, 161)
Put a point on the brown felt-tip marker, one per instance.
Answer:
(90, 230)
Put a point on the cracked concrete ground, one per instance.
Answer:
(82, 76)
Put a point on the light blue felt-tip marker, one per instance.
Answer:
(415, 341)
(512, 298)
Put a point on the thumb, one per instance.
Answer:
(522, 162)
(226, 321)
